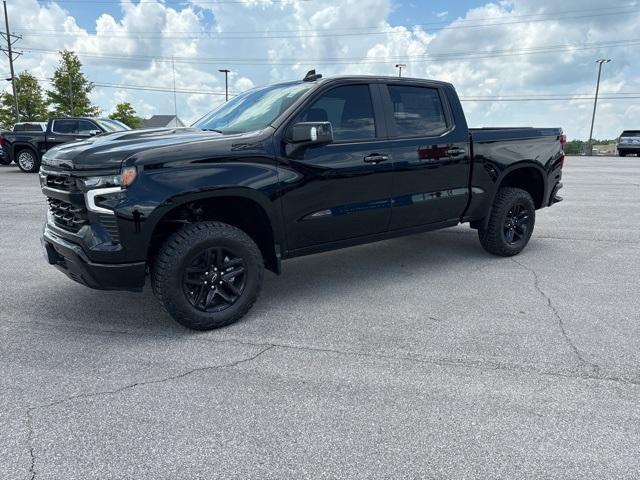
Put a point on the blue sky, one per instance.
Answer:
(514, 62)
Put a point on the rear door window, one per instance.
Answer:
(417, 111)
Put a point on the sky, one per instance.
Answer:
(513, 62)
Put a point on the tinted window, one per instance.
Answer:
(417, 111)
(64, 126)
(349, 109)
(630, 133)
(28, 127)
(85, 126)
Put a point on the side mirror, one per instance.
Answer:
(306, 134)
(93, 133)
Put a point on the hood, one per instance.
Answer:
(108, 151)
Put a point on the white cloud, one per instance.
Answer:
(299, 35)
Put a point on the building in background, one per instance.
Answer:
(160, 121)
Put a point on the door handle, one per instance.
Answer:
(376, 158)
(455, 151)
(52, 138)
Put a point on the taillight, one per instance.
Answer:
(563, 142)
(2, 140)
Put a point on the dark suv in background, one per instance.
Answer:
(628, 143)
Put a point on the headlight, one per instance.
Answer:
(126, 178)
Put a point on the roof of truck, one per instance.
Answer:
(386, 78)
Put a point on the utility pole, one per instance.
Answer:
(600, 62)
(400, 66)
(226, 83)
(9, 51)
(175, 98)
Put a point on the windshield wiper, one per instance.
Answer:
(212, 130)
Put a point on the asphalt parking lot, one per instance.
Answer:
(419, 357)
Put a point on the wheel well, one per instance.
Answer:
(243, 213)
(528, 179)
(18, 148)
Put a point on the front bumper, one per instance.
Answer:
(71, 260)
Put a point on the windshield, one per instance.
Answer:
(630, 133)
(253, 110)
(110, 125)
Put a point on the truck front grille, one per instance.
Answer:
(66, 215)
(61, 182)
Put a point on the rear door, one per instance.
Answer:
(339, 191)
(431, 157)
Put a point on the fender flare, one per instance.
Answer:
(19, 146)
(268, 207)
(506, 172)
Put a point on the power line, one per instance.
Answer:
(205, 2)
(376, 27)
(526, 99)
(470, 98)
(447, 56)
(296, 34)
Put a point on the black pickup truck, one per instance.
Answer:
(25, 146)
(282, 171)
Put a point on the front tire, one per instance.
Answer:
(511, 223)
(207, 275)
(27, 160)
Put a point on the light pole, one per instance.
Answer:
(400, 66)
(600, 62)
(226, 83)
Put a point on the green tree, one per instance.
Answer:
(127, 115)
(31, 102)
(70, 92)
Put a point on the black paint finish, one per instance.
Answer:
(321, 198)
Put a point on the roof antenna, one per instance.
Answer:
(312, 76)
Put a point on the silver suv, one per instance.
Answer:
(629, 142)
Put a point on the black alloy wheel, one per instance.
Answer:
(516, 224)
(215, 279)
(207, 275)
(510, 223)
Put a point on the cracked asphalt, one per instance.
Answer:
(418, 357)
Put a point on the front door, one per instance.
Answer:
(340, 190)
(430, 156)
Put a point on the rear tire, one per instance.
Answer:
(511, 223)
(207, 275)
(5, 161)
(28, 160)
